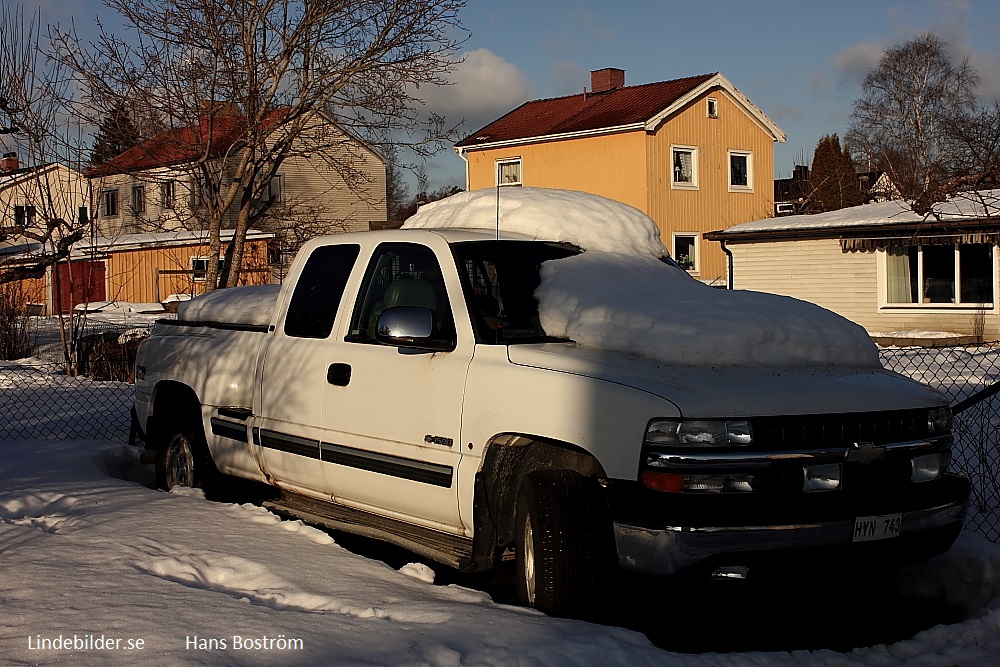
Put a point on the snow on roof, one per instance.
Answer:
(963, 207)
(160, 239)
(620, 296)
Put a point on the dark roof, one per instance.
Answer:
(586, 111)
(185, 144)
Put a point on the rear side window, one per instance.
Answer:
(319, 290)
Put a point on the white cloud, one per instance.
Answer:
(484, 87)
(853, 63)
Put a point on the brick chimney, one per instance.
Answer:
(609, 78)
(9, 162)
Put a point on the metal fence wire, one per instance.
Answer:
(40, 401)
(970, 377)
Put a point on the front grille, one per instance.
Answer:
(837, 430)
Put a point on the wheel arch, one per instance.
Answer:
(509, 458)
(172, 403)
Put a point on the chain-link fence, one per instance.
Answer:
(970, 377)
(40, 401)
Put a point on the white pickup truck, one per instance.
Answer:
(523, 377)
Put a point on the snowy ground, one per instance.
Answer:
(90, 557)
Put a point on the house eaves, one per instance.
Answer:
(718, 81)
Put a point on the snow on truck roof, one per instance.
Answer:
(618, 295)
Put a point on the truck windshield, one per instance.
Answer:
(499, 279)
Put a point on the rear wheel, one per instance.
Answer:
(184, 461)
(562, 542)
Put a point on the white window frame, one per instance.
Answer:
(684, 185)
(502, 162)
(928, 306)
(695, 268)
(733, 187)
(712, 107)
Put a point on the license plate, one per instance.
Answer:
(881, 527)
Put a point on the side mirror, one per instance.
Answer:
(410, 327)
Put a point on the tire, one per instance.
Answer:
(183, 460)
(563, 543)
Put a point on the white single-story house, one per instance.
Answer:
(899, 274)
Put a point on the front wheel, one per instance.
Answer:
(184, 461)
(563, 542)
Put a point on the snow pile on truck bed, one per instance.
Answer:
(248, 305)
(619, 296)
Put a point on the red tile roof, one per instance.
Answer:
(583, 112)
(181, 145)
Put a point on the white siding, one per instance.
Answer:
(847, 283)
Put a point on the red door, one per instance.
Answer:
(78, 282)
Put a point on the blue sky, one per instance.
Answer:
(801, 62)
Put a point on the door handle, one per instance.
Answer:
(339, 374)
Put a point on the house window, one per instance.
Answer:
(278, 188)
(934, 275)
(168, 190)
(200, 191)
(109, 203)
(199, 267)
(685, 250)
(24, 216)
(684, 173)
(509, 172)
(138, 199)
(740, 171)
(712, 107)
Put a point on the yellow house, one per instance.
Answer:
(694, 154)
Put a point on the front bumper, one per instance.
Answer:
(671, 550)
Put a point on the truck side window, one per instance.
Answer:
(401, 274)
(317, 294)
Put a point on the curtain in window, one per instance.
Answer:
(897, 266)
(510, 172)
(682, 167)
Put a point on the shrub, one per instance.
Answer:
(15, 324)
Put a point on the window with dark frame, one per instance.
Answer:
(109, 203)
(138, 199)
(24, 216)
(167, 193)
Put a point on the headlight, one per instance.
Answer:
(938, 420)
(698, 433)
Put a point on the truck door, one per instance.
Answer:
(289, 428)
(393, 415)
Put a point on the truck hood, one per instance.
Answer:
(736, 391)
